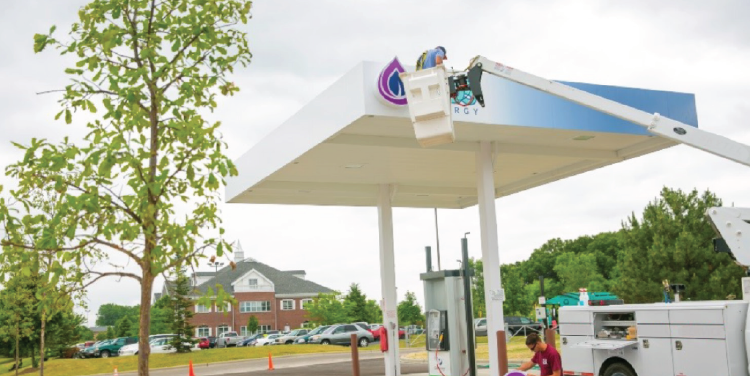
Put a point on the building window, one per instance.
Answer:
(227, 307)
(222, 329)
(306, 303)
(255, 306)
(200, 308)
(264, 328)
(287, 305)
(203, 331)
(243, 331)
(253, 283)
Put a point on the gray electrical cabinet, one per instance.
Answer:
(446, 331)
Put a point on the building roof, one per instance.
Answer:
(98, 329)
(296, 272)
(284, 281)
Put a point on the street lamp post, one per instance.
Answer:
(216, 266)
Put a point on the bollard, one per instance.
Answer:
(549, 337)
(502, 352)
(355, 355)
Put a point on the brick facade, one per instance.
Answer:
(277, 318)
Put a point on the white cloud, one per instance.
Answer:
(301, 47)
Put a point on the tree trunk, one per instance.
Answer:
(145, 323)
(17, 350)
(41, 345)
(33, 355)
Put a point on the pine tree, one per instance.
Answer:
(124, 327)
(181, 314)
(409, 310)
(673, 240)
(356, 304)
(110, 333)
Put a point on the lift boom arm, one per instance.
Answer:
(654, 123)
(730, 223)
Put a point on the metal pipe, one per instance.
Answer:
(467, 305)
(428, 251)
(437, 240)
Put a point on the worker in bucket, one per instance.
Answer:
(432, 58)
(545, 356)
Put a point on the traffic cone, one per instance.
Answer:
(270, 362)
(190, 369)
(116, 374)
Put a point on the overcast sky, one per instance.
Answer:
(301, 47)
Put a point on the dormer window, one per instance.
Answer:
(252, 282)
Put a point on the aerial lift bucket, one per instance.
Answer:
(429, 105)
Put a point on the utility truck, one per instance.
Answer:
(708, 338)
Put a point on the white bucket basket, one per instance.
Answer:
(429, 105)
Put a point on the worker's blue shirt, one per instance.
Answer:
(429, 61)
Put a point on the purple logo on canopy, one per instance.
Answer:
(390, 86)
(515, 373)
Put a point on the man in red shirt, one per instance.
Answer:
(545, 356)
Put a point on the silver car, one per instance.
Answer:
(288, 339)
(341, 335)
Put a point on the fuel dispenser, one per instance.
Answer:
(450, 329)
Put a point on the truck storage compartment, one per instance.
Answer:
(698, 331)
(576, 330)
(574, 316)
(652, 317)
(696, 316)
(653, 330)
(576, 359)
(700, 357)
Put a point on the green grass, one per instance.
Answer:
(81, 367)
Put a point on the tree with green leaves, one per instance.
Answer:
(124, 327)
(252, 325)
(156, 68)
(477, 287)
(516, 301)
(409, 310)
(17, 313)
(110, 333)
(327, 309)
(355, 303)
(579, 271)
(374, 312)
(673, 240)
(109, 314)
(180, 303)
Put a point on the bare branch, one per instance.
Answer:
(119, 249)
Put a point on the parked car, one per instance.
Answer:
(523, 324)
(250, 341)
(306, 338)
(112, 348)
(341, 335)
(515, 324)
(288, 339)
(88, 352)
(159, 345)
(229, 339)
(265, 341)
(204, 343)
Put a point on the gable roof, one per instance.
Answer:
(284, 282)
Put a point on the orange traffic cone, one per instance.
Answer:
(116, 374)
(190, 369)
(270, 362)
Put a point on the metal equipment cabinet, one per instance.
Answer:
(680, 339)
